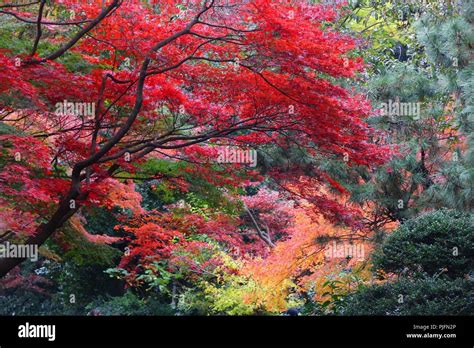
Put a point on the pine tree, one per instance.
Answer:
(434, 168)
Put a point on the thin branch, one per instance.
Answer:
(38, 28)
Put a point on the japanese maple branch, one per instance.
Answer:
(38, 28)
(66, 209)
(104, 13)
(265, 236)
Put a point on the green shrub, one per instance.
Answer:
(439, 242)
(130, 304)
(24, 302)
(429, 296)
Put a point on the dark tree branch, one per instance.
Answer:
(38, 28)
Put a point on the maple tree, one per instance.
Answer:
(169, 76)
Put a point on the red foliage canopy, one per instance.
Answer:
(168, 75)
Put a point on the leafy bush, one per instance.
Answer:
(129, 304)
(23, 302)
(437, 242)
(430, 296)
(427, 252)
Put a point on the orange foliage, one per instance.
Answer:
(294, 263)
(123, 195)
(76, 223)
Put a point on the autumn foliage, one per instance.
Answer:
(117, 118)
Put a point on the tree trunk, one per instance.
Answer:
(44, 231)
